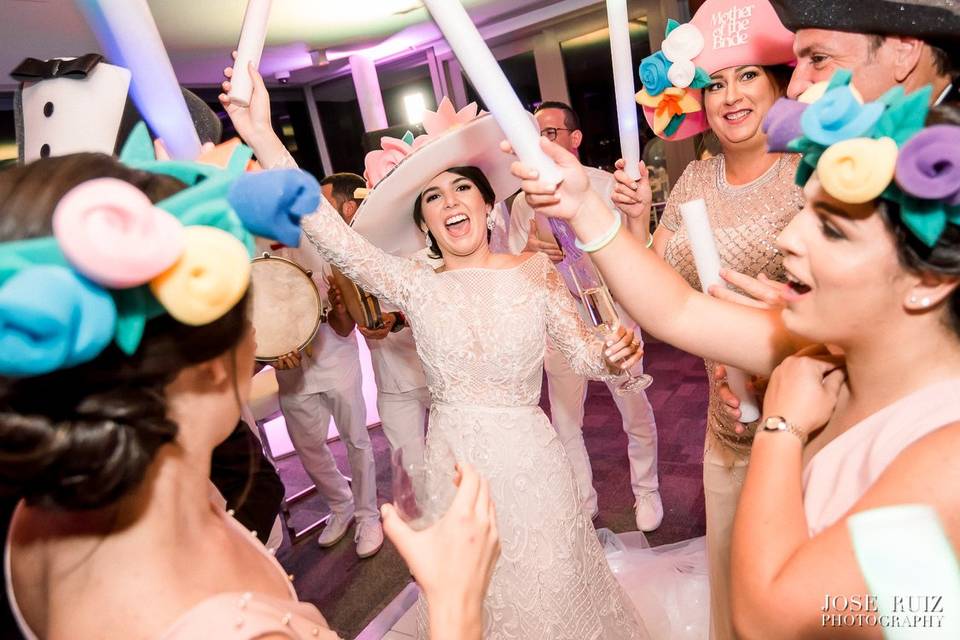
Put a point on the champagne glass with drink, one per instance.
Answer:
(603, 314)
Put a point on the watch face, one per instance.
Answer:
(775, 423)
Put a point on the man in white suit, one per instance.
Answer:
(567, 390)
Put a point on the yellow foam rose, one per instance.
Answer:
(210, 277)
(858, 170)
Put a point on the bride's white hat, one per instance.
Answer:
(400, 170)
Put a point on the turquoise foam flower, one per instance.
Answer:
(52, 318)
(839, 116)
(653, 73)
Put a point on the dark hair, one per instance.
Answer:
(780, 75)
(81, 438)
(344, 184)
(942, 63)
(474, 175)
(570, 118)
(944, 257)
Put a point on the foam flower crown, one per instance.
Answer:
(116, 260)
(671, 80)
(882, 149)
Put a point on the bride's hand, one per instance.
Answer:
(555, 201)
(252, 122)
(622, 349)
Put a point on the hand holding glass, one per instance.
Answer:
(603, 315)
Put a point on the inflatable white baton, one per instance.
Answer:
(488, 79)
(252, 36)
(705, 255)
(624, 86)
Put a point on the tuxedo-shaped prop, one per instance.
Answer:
(73, 105)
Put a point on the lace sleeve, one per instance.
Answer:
(385, 276)
(579, 345)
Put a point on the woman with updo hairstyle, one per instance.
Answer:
(116, 534)
(862, 411)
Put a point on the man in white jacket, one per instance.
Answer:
(567, 390)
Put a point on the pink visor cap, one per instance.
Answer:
(722, 34)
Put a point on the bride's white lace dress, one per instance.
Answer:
(480, 334)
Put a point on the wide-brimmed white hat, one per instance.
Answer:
(386, 216)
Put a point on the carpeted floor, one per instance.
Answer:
(350, 591)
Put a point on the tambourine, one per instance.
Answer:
(363, 307)
(287, 309)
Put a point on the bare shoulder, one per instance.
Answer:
(927, 472)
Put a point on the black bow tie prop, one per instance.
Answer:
(33, 70)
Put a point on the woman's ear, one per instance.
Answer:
(930, 291)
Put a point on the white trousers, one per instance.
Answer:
(568, 392)
(308, 417)
(403, 416)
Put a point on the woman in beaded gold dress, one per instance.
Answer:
(750, 196)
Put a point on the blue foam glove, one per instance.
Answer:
(271, 203)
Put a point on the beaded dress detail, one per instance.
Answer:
(480, 334)
(746, 221)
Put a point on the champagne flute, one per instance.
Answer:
(422, 488)
(603, 315)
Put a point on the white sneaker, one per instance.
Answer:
(336, 528)
(649, 511)
(369, 537)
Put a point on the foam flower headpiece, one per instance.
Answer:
(862, 152)
(671, 81)
(116, 260)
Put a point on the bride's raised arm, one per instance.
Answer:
(650, 291)
(385, 276)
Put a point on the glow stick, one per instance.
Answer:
(488, 79)
(252, 36)
(129, 37)
(624, 87)
(707, 259)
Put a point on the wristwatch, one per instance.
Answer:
(780, 424)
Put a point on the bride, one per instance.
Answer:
(480, 322)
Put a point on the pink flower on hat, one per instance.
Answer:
(379, 163)
(111, 233)
(446, 117)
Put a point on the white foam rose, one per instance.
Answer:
(684, 43)
(682, 73)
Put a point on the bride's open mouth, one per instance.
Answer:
(457, 225)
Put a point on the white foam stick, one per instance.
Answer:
(488, 79)
(707, 259)
(624, 86)
(252, 36)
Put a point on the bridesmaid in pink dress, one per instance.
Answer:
(873, 264)
(118, 535)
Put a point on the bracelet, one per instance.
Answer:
(604, 240)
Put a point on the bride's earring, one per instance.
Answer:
(491, 220)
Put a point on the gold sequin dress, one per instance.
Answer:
(746, 221)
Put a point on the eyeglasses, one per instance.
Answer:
(551, 132)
